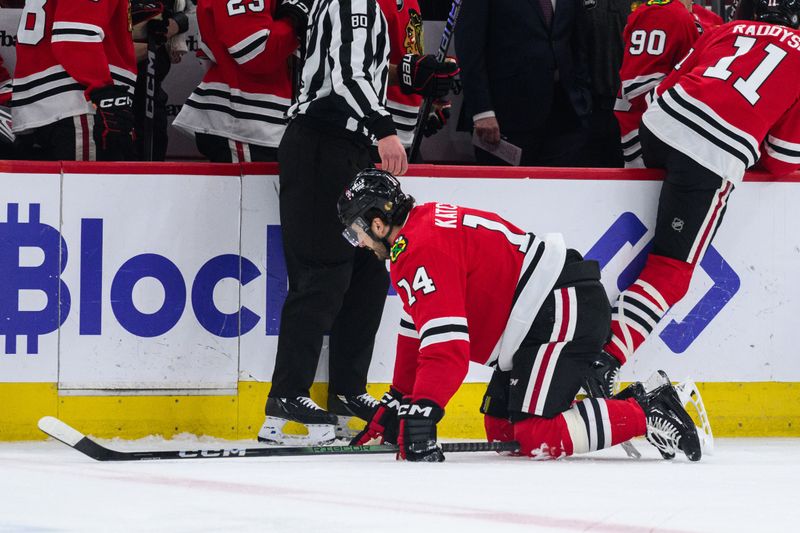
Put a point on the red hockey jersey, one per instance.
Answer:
(247, 89)
(734, 99)
(5, 84)
(405, 33)
(657, 36)
(471, 284)
(65, 49)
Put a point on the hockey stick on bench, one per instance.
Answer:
(75, 439)
(441, 55)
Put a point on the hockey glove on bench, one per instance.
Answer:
(384, 423)
(418, 432)
(297, 11)
(113, 123)
(426, 76)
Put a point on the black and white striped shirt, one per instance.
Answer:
(346, 68)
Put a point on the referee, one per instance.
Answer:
(333, 287)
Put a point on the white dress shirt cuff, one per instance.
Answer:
(485, 114)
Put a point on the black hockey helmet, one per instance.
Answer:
(372, 193)
(783, 12)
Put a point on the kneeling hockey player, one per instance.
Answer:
(475, 287)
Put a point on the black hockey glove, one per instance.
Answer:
(426, 76)
(440, 112)
(113, 123)
(144, 10)
(384, 423)
(417, 440)
(296, 10)
(157, 30)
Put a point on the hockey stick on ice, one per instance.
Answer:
(77, 440)
(441, 55)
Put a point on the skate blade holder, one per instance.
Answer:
(287, 432)
(348, 427)
(689, 394)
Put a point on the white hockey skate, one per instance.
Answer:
(318, 423)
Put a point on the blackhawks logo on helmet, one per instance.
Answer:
(399, 246)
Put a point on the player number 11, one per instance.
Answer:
(748, 87)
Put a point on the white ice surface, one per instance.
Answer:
(747, 485)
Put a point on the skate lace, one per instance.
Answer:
(368, 400)
(663, 434)
(308, 403)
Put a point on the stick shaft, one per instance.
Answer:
(441, 54)
(77, 440)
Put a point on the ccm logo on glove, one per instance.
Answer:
(415, 410)
(105, 103)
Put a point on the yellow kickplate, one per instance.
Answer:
(761, 409)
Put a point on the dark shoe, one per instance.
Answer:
(345, 408)
(362, 406)
(319, 423)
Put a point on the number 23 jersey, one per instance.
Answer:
(734, 99)
(471, 284)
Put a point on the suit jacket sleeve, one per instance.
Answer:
(470, 45)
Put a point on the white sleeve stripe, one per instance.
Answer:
(443, 321)
(76, 32)
(407, 332)
(246, 45)
(78, 26)
(407, 327)
(76, 39)
(444, 337)
(786, 156)
(641, 84)
(787, 146)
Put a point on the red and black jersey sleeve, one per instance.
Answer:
(5, 84)
(780, 152)
(255, 40)
(80, 28)
(433, 349)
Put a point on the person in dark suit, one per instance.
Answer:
(525, 77)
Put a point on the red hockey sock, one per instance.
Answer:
(639, 308)
(498, 429)
(589, 425)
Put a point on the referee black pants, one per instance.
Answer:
(333, 287)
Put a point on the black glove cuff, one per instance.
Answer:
(296, 11)
(405, 73)
(110, 96)
(422, 410)
(380, 125)
(182, 21)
